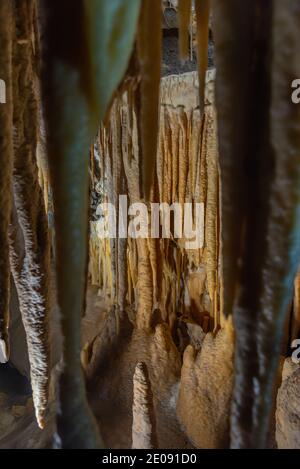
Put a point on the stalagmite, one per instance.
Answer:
(203, 405)
(6, 157)
(29, 243)
(149, 53)
(143, 426)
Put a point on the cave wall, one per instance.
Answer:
(185, 283)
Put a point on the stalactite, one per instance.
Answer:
(174, 153)
(120, 131)
(160, 160)
(68, 162)
(232, 109)
(29, 225)
(177, 173)
(234, 51)
(149, 53)
(171, 290)
(6, 157)
(164, 133)
(161, 270)
(111, 199)
(202, 171)
(139, 260)
(211, 253)
(153, 253)
(260, 220)
(195, 154)
(122, 274)
(74, 100)
(145, 286)
(183, 160)
(184, 12)
(41, 151)
(117, 164)
(143, 427)
(100, 261)
(202, 16)
(167, 193)
(132, 264)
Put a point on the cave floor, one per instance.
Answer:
(116, 348)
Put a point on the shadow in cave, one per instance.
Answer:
(13, 383)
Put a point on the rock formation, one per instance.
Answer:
(205, 392)
(143, 425)
(287, 408)
(172, 336)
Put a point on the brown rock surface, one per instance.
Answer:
(143, 426)
(203, 405)
(288, 407)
